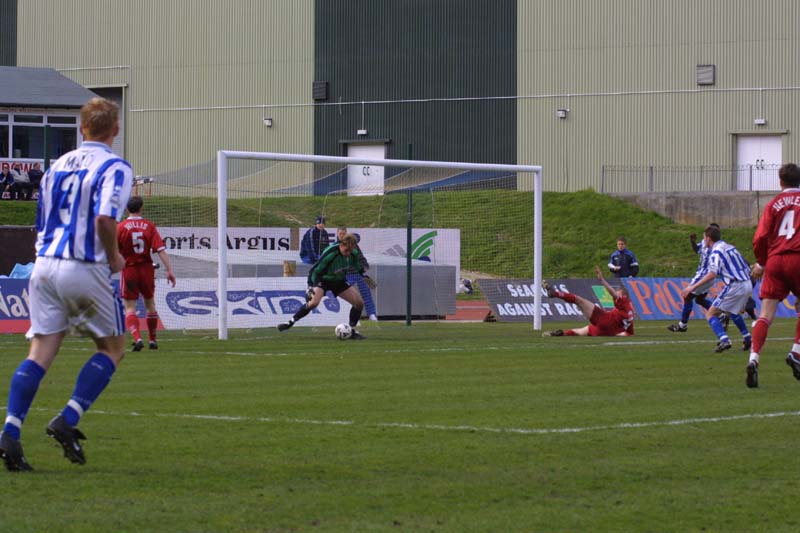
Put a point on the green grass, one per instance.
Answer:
(580, 229)
(443, 427)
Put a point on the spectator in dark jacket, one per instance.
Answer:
(7, 182)
(623, 262)
(314, 242)
(35, 174)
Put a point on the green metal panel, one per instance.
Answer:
(416, 49)
(626, 71)
(196, 80)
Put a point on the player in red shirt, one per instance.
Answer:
(137, 237)
(776, 245)
(616, 322)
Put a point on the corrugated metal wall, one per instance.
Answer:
(196, 74)
(417, 49)
(203, 77)
(650, 49)
(8, 33)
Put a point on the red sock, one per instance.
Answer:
(152, 325)
(132, 324)
(570, 332)
(759, 335)
(566, 296)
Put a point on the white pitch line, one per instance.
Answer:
(463, 428)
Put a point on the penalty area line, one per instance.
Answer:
(461, 428)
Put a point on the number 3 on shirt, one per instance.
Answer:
(786, 228)
(138, 242)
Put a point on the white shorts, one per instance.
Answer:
(73, 295)
(733, 297)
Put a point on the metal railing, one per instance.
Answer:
(642, 179)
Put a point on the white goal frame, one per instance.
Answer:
(222, 210)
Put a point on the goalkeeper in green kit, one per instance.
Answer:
(329, 274)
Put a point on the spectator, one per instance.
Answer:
(314, 242)
(623, 262)
(7, 182)
(35, 174)
(23, 190)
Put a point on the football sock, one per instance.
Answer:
(24, 384)
(797, 332)
(566, 296)
(355, 315)
(716, 327)
(739, 321)
(92, 380)
(132, 324)
(570, 333)
(303, 311)
(687, 311)
(759, 335)
(152, 325)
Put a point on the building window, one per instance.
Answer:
(22, 135)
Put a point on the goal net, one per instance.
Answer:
(429, 230)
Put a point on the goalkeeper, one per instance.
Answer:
(329, 273)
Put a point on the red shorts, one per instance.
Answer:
(603, 324)
(781, 276)
(136, 280)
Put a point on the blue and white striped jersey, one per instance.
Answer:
(702, 266)
(727, 263)
(81, 185)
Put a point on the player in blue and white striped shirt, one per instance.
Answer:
(700, 293)
(726, 263)
(83, 196)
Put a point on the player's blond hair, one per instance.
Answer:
(99, 118)
(349, 240)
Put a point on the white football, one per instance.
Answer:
(344, 331)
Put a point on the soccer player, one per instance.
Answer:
(83, 196)
(137, 237)
(357, 280)
(776, 245)
(616, 322)
(725, 262)
(700, 294)
(329, 274)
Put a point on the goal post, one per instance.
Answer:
(225, 157)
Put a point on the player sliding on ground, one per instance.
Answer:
(329, 274)
(616, 322)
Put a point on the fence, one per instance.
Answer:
(634, 179)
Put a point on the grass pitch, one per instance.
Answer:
(445, 427)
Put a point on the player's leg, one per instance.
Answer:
(793, 357)
(24, 385)
(313, 298)
(586, 307)
(104, 321)
(683, 324)
(577, 332)
(366, 295)
(353, 297)
(147, 284)
(152, 322)
(129, 290)
(712, 316)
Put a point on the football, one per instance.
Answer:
(344, 331)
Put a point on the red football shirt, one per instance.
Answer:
(777, 231)
(137, 238)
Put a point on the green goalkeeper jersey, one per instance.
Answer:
(333, 266)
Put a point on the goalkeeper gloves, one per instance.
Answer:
(369, 281)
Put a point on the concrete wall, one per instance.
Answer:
(730, 210)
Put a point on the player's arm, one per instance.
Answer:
(106, 228)
(606, 284)
(162, 254)
(686, 291)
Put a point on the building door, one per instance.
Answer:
(758, 158)
(365, 180)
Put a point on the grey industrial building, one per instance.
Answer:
(609, 94)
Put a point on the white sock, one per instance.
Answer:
(753, 357)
